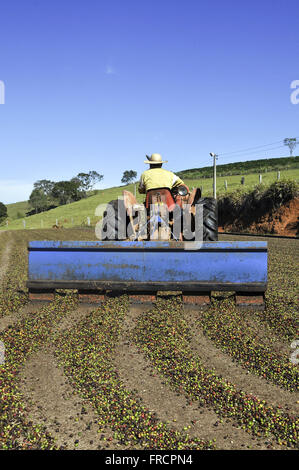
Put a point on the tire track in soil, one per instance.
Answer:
(137, 373)
(53, 402)
(224, 366)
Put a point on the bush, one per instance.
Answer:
(3, 212)
(282, 191)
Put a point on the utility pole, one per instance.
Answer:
(215, 157)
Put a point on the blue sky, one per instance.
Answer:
(95, 85)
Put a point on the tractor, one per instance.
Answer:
(146, 248)
(164, 215)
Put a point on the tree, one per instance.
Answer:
(290, 142)
(46, 193)
(41, 196)
(38, 200)
(95, 177)
(88, 180)
(129, 176)
(44, 185)
(3, 212)
(67, 191)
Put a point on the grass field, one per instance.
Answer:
(118, 376)
(76, 214)
(243, 168)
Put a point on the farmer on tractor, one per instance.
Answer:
(156, 176)
(168, 208)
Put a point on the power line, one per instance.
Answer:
(248, 151)
(242, 155)
(208, 162)
(250, 148)
(255, 152)
(253, 148)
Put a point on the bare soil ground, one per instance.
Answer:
(72, 421)
(53, 401)
(137, 374)
(244, 380)
(284, 221)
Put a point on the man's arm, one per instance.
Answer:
(177, 181)
(141, 187)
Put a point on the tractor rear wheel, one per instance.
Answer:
(116, 223)
(210, 218)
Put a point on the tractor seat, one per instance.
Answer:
(160, 195)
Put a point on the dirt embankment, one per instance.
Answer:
(281, 221)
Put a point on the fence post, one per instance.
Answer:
(225, 185)
(88, 220)
(24, 223)
(260, 178)
(278, 175)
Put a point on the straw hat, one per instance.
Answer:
(154, 159)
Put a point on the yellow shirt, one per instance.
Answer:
(158, 178)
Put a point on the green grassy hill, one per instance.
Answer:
(76, 213)
(69, 215)
(242, 168)
(18, 210)
(234, 181)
